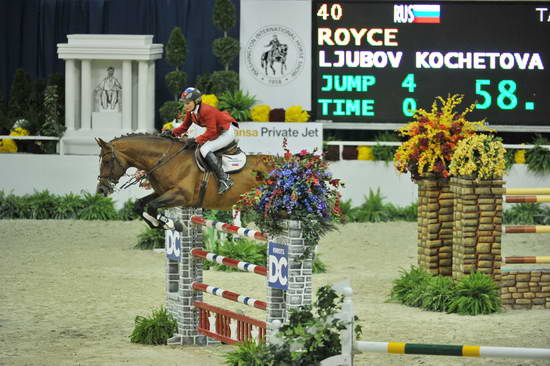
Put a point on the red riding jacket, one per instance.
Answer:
(213, 119)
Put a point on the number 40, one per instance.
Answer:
(336, 12)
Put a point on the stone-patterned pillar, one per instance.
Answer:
(478, 227)
(435, 226)
(300, 272)
(190, 271)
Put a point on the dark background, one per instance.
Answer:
(31, 29)
(465, 26)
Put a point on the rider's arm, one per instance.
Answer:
(178, 131)
(209, 121)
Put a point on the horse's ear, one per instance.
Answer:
(101, 143)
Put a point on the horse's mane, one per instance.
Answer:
(155, 135)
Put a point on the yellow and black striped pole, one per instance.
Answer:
(452, 350)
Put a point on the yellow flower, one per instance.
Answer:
(168, 126)
(480, 156)
(519, 157)
(9, 145)
(365, 153)
(260, 113)
(210, 99)
(296, 114)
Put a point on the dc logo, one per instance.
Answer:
(275, 55)
(172, 242)
(277, 266)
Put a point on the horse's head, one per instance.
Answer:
(283, 49)
(111, 168)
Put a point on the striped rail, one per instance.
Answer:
(527, 199)
(227, 326)
(525, 229)
(230, 229)
(230, 262)
(526, 191)
(527, 259)
(451, 350)
(230, 295)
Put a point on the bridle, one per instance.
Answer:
(112, 180)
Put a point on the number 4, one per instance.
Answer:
(323, 12)
(408, 82)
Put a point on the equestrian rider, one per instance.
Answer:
(220, 132)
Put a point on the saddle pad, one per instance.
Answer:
(230, 163)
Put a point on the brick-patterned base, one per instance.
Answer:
(435, 226)
(477, 227)
(525, 289)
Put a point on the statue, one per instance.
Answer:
(108, 92)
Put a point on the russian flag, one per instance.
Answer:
(426, 13)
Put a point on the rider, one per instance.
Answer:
(220, 132)
(274, 43)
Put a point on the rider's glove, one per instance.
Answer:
(190, 143)
(167, 133)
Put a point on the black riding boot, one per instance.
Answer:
(224, 181)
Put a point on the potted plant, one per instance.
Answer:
(431, 140)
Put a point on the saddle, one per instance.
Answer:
(232, 157)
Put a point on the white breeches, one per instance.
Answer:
(227, 137)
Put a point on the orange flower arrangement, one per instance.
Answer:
(432, 138)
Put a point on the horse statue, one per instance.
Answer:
(173, 173)
(277, 54)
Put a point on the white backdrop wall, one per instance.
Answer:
(278, 80)
(26, 173)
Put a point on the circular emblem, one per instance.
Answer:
(275, 55)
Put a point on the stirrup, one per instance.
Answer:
(224, 185)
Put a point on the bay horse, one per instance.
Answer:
(173, 174)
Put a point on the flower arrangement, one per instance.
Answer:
(210, 99)
(298, 187)
(519, 156)
(296, 114)
(432, 138)
(20, 128)
(168, 126)
(260, 113)
(480, 156)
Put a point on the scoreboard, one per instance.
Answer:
(380, 61)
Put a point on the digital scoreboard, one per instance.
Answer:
(380, 61)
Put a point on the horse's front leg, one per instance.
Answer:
(168, 199)
(139, 209)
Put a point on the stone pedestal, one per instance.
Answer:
(124, 65)
(477, 228)
(435, 226)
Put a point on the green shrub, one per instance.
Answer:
(127, 212)
(538, 158)
(175, 81)
(223, 81)
(438, 294)
(382, 152)
(318, 265)
(476, 294)
(169, 110)
(237, 103)
(150, 239)
(250, 354)
(410, 287)
(204, 84)
(10, 206)
(243, 250)
(69, 206)
(97, 207)
(42, 205)
(509, 159)
(156, 329)
(372, 210)
(523, 213)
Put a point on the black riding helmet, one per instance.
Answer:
(191, 95)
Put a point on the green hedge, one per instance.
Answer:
(45, 205)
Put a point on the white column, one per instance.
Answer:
(127, 95)
(142, 96)
(70, 94)
(151, 98)
(87, 88)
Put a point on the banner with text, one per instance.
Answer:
(275, 57)
(268, 137)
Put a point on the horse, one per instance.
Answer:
(275, 55)
(173, 175)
